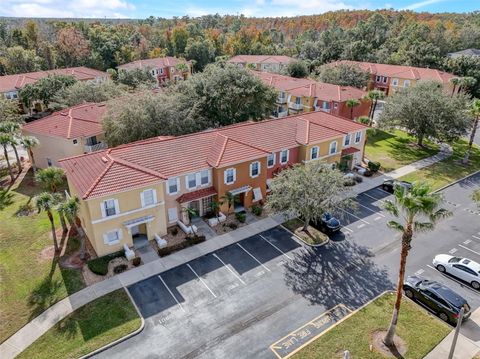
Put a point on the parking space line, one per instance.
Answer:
(364, 221)
(476, 237)
(371, 210)
(380, 189)
(251, 255)
(231, 271)
(201, 280)
(348, 229)
(468, 241)
(274, 246)
(463, 285)
(376, 199)
(468, 249)
(171, 293)
(453, 250)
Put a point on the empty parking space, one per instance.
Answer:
(262, 251)
(244, 265)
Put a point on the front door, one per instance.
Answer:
(135, 230)
(196, 206)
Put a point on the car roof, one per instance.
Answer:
(447, 294)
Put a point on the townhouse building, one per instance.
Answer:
(66, 133)
(298, 95)
(11, 84)
(140, 189)
(162, 68)
(390, 78)
(264, 63)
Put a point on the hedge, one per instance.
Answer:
(100, 265)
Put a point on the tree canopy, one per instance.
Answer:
(296, 69)
(343, 75)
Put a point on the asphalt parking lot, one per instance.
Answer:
(244, 299)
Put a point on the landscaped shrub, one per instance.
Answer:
(162, 252)
(136, 261)
(100, 265)
(257, 210)
(241, 217)
(358, 179)
(233, 226)
(174, 231)
(373, 166)
(349, 181)
(120, 268)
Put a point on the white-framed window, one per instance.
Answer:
(75, 142)
(112, 237)
(333, 147)
(284, 156)
(395, 82)
(298, 100)
(384, 79)
(229, 175)
(110, 207)
(358, 136)
(406, 83)
(254, 169)
(173, 185)
(148, 197)
(191, 180)
(271, 160)
(172, 214)
(378, 78)
(314, 153)
(347, 139)
(204, 177)
(281, 95)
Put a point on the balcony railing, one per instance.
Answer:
(281, 100)
(295, 106)
(319, 108)
(96, 147)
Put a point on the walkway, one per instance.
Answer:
(41, 324)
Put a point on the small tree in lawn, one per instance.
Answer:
(71, 208)
(475, 112)
(45, 202)
(307, 191)
(61, 210)
(12, 128)
(418, 210)
(191, 212)
(29, 142)
(50, 178)
(351, 104)
(374, 96)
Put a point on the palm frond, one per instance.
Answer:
(391, 208)
(395, 225)
(423, 226)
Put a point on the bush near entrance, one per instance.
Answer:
(100, 265)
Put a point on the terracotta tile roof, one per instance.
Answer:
(400, 71)
(83, 120)
(310, 88)
(158, 62)
(16, 82)
(201, 193)
(160, 158)
(349, 151)
(258, 59)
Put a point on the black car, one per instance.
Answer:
(329, 223)
(390, 184)
(439, 299)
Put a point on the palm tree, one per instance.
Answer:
(45, 202)
(475, 112)
(419, 210)
(71, 208)
(230, 199)
(29, 142)
(12, 128)
(191, 212)
(466, 83)
(351, 104)
(5, 140)
(374, 96)
(61, 210)
(455, 81)
(50, 178)
(215, 206)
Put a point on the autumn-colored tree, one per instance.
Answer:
(72, 47)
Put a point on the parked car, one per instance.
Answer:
(390, 184)
(462, 268)
(329, 223)
(441, 300)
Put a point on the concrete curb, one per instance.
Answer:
(456, 181)
(119, 340)
(302, 242)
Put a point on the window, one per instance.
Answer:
(148, 197)
(281, 95)
(284, 157)
(257, 194)
(314, 153)
(346, 142)
(271, 160)
(395, 82)
(333, 147)
(153, 72)
(75, 141)
(172, 214)
(160, 71)
(112, 237)
(358, 136)
(204, 177)
(254, 169)
(191, 180)
(229, 175)
(110, 208)
(173, 184)
(378, 78)
(406, 83)
(298, 100)
(385, 79)
(335, 105)
(465, 269)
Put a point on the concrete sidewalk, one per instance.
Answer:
(468, 343)
(41, 324)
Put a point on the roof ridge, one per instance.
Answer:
(248, 144)
(98, 179)
(222, 151)
(70, 120)
(135, 166)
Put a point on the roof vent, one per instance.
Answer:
(104, 159)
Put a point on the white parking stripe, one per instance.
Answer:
(371, 210)
(380, 189)
(230, 269)
(274, 246)
(476, 237)
(251, 255)
(169, 291)
(201, 280)
(453, 250)
(463, 285)
(364, 221)
(468, 241)
(348, 229)
(376, 199)
(468, 249)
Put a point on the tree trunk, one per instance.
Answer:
(454, 88)
(406, 238)
(305, 224)
(81, 234)
(54, 234)
(32, 159)
(420, 140)
(19, 163)
(63, 222)
(374, 107)
(470, 142)
(10, 172)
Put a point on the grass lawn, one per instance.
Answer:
(30, 282)
(314, 236)
(395, 149)
(421, 331)
(92, 326)
(448, 170)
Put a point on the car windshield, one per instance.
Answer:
(454, 260)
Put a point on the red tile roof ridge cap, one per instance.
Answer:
(96, 153)
(307, 132)
(222, 151)
(70, 120)
(97, 180)
(248, 144)
(135, 166)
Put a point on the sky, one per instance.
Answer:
(258, 8)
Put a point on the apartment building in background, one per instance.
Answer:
(298, 95)
(140, 189)
(264, 63)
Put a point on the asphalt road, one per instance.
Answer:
(238, 301)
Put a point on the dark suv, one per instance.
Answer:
(390, 184)
(439, 299)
